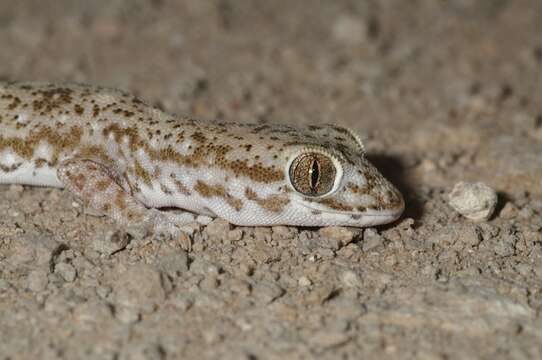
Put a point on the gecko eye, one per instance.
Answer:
(313, 174)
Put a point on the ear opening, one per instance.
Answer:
(352, 134)
(357, 139)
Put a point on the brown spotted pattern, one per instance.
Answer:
(208, 191)
(272, 203)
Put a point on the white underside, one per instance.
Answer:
(27, 174)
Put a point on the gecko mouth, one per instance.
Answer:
(395, 212)
(324, 216)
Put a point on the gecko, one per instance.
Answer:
(131, 161)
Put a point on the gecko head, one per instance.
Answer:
(335, 183)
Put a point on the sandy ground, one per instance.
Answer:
(443, 91)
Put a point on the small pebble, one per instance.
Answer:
(66, 271)
(173, 263)
(470, 235)
(371, 240)
(320, 295)
(327, 339)
(267, 292)
(140, 287)
(343, 235)
(245, 269)
(103, 291)
(184, 240)
(284, 232)
(350, 30)
(509, 211)
(93, 311)
(235, 235)
(37, 280)
(4, 285)
(350, 279)
(218, 228)
(391, 260)
(475, 201)
(181, 302)
(127, 315)
(506, 245)
(204, 267)
(526, 213)
(110, 242)
(210, 282)
(304, 281)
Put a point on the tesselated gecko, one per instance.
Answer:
(127, 160)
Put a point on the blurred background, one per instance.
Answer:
(442, 91)
(431, 80)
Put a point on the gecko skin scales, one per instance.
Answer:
(127, 160)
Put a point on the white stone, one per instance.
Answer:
(475, 201)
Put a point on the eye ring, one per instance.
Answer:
(314, 173)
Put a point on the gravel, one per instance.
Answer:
(442, 94)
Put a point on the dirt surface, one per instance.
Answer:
(443, 91)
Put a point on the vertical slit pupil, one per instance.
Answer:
(315, 175)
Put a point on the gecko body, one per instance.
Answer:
(128, 160)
